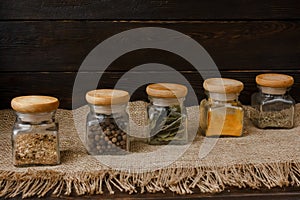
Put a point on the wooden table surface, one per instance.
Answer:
(287, 193)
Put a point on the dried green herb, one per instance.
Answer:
(167, 124)
(273, 119)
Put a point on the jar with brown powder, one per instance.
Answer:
(35, 139)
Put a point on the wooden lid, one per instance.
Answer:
(275, 80)
(34, 104)
(166, 90)
(223, 85)
(107, 97)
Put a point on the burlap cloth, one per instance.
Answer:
(261, 158)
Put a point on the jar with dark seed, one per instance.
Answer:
(107, 122)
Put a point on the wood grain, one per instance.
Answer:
(63, 45)
(62, 85)
(285, 193)
(150, 10)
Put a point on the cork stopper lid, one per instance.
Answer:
(166, 90)
(223, 85)
(34, 104)
(275, 80)
(107, 97)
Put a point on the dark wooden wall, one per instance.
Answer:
(43, 42)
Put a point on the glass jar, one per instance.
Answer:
(221, 114)
(167, 114)
(35, 139)
(273, 106)
(107, 122)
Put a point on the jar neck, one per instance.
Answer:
(36, 118)
(227, 97)
(107, 109)
(166, 101)
(273, 91)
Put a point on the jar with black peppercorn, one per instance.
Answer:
(107, 122)
(35, 138)
(167, 114)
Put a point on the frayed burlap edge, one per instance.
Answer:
(179, 180)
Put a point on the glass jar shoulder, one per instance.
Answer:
(260, 98)
(265, 102)
(23, 127)
(180, 108)
(93, 118)
(211, 104)
(174, 111)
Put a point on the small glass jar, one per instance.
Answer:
(273, 106)
(107, 122)
(167, 114)
(35, 139)
(221, 114)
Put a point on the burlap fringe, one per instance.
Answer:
(179, 180)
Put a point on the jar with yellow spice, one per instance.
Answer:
(221, 114)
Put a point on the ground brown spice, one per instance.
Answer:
(36, 149)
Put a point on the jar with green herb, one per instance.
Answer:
(107, 122)
(167, 114)
(35, 139)
(273, 106)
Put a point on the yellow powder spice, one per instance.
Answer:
(225, 122)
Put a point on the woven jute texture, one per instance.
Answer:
(261, 158)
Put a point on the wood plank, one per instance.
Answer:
(150, 10)
(63, 45)
(60, 85)
(286, 193)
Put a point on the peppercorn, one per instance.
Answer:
(109, 138)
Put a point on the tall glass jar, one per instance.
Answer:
(167, 114)
(273, 106)
(35, 139)
(107, 122)
(221, 114)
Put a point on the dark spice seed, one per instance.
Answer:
(97, 137)
(120, 138)
(108, 138)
